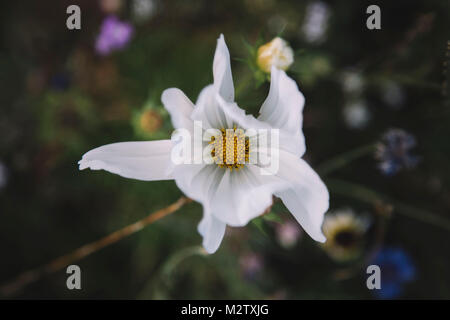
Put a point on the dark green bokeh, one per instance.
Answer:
(49, 208)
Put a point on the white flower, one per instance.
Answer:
(229, 197)
(356, 115)
(393, 94)
(288, 234)
(345, 234)
(316, 21)
(352, 82)
(276, 53)
(143, 9)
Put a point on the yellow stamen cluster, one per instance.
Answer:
(230, 149)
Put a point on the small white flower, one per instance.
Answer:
(352, 82)
(276, 53)
(143, 9)
(229, 197)
(288, 234)
(316, 21)
(356, 115)
(393, 94)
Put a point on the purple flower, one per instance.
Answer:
(114, 35)
(288, 234)
(394, 152)
(251, 265)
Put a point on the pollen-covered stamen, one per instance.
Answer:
(230, 149)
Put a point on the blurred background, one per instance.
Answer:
(376, 122)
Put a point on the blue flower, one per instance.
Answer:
(394, 152)
(60, 81)
(396, 270)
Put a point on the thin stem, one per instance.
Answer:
(33, 275)
(367, 195)
(179, 257)
(345, 158)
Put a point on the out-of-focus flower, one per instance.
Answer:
(316, 21)
(110, 6)
(397, 269)
(60, 81)
(288, 233)
(352, 82)
(393, 95)
(251, 265)
(356, 115)
(393, 152)
(148, 122)
(345, 234)
(114, 35)
(143, 10)
(276, 53)
(232, 190)
(3, 175)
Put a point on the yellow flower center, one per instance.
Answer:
(230, 149)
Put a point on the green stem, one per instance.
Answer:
(343, 159)
(406, 80)
(180, 256)
(367, 195)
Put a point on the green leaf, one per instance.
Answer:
(272, 217)
(259, 224)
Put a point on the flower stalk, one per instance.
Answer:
(345, 158)
(14, 287)
(365, 194)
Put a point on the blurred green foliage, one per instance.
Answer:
(58, 99)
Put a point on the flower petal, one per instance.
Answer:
(179, 106)
(307, 198)
(223, 79)
(212, 231)
(288, 141)
(242, 195)
(200, 182)
(283, 109)
(147, 160)
(238, 116)
(208, 110)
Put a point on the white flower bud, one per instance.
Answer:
(276, 53)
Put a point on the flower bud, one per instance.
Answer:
(276, 53)
(150, 121)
